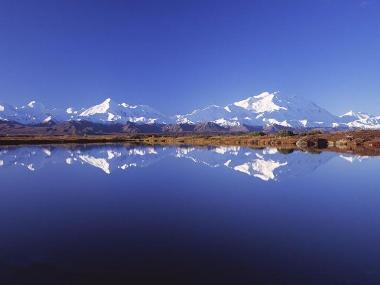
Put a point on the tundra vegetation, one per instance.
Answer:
(364, 142)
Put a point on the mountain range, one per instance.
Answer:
(261, 111)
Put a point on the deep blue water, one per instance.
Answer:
(114, 214)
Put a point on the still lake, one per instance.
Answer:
(121, 214)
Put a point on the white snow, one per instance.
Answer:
(96, 162)
(243, 168)
(354, 158)
(1, 162)
(138, 119)
(48, 119)
(275, 122)
(97, 109)
(125, 105)
(151, 150)
(183, 120)
(260, 103)
(31, 104)
(227, 149)
(136, 151)
(224, 122)
(270, 151)
(266, 168)
(2, 108)
(260, 168)
(183, 151)
(112, 154)
(110, 116)
(221, 149)
(126, 166)
(30, 167)
(151, 121)
(47, 152)
(348, 114)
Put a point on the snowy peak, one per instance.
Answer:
(348, 114)
(97, 109)
(356, 115)
(266, 109)
(208, 114)
(7, 112)
(31, 104)
(261, 103)
(360, 120)
(107, 111)
(31, 113)
(111, 112)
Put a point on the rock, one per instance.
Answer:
(313, 143)
(302, 143)
(341, 143)
(374, 143)
(322, 143)
(330, 144)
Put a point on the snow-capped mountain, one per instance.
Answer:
(106, 112)
(263, 110)
(31, 113)
(360, 120)
(7, 112)
(110, 111)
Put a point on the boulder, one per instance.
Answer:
(312, 143)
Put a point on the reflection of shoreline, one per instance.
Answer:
(265, 164)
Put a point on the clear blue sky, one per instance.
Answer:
(179, 55)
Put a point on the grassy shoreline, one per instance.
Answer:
(358, 142)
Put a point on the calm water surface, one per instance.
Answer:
(117, 214)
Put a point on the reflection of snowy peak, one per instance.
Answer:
(265, 164)
(107, 158)
(353, 158)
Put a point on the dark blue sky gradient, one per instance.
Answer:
(179, 55)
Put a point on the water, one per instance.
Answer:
(118, 214)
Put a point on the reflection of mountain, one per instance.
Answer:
(105, 157)
(353, 158)
(265, 164)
